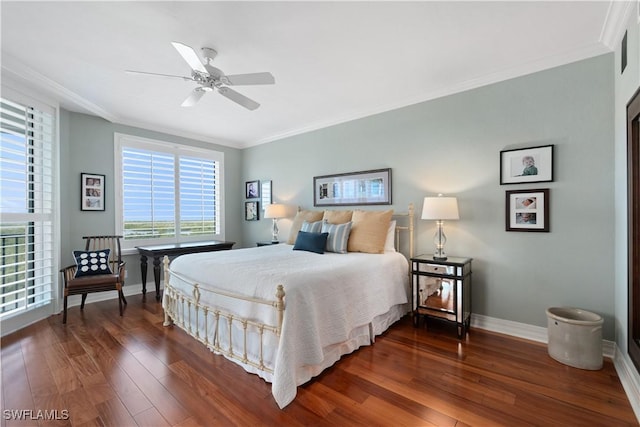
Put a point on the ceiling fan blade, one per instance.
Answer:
(189, 55)
(251, 79)
(157, 74)
(195, 96)
(238, 98)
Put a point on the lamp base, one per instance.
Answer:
(439, 258)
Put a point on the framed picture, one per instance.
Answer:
(251, 212)
(252, 189)
(527, 210)
(265, 191)
(528, 165)
(371, 187)
(91, 192)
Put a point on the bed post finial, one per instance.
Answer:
(411, 215)
(280, 306)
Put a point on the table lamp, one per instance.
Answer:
(276, 211)
(440, 208)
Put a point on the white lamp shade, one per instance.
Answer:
(440, 208)
(276, 210)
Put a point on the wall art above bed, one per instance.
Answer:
(372, 187)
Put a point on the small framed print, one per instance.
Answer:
(252, 189)
(265, 192)
(527, 210)
(526, 165)
(251, 212)
(91, 192)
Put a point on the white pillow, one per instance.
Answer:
(390, 242)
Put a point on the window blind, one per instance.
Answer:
(26, 207)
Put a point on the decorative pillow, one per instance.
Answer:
(390, 242)
(91, 263)
(369, 231)
(311, 227)
(337, 217)
(311, 242)
(301, 216)
(338, 236)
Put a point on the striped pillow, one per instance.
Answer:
(338, 236)
(311, 227)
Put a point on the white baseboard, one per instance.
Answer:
(630, 379)
(627, 373)
(529, 332)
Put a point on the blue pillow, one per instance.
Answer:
(338, 236)
(311, 242)
(311, 227)
(91, 263)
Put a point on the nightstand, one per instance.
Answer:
(266, 243)
(442, 289)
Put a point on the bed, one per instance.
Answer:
(284, 314)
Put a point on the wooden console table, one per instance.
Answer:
(172, 250)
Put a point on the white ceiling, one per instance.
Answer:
(332, 61)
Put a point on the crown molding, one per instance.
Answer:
(183, 134)
(32, 78)
(615, 23)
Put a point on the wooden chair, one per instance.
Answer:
(96, 283)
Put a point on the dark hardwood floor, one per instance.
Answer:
(107, 370)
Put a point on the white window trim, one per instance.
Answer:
(120, 140)
(13, 90)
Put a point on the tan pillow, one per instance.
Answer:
(369, 231)
(337, 217)
(302, 216)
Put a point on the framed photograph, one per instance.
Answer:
(252, 189)
(371, 187)
(526, 165)
(251, 212)
(265, 191)
(91, 192)
(527, 210)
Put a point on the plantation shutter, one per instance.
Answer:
(198, 202)
(148, 194)
(26, 207)
(167, 192)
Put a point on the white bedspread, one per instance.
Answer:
(331, 300)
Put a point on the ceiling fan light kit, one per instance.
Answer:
(210, 78)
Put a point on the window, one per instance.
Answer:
(166, 193)
(27, 165)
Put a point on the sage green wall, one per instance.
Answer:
(451, 145)
(86, 145)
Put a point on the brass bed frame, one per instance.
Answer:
(179, 308)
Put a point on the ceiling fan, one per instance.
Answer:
(210, 78)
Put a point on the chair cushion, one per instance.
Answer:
(93, 280)
(91, 263)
